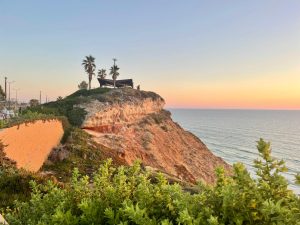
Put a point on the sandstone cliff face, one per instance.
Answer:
(108, 118)
(30, 144)
(137, 127)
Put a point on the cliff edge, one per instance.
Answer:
(134, 125)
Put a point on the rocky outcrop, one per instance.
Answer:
(29, 145)
(134, 125)
(105, 117)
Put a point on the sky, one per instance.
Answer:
(195, 54)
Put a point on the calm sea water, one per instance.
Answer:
(232, 134)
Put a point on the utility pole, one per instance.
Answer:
(10, 82)
(5, 83)
(40, 97)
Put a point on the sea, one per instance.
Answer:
(232, 135)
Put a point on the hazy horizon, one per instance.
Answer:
(254, 109)
(195, 54)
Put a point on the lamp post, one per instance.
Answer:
(16, 89)
(5, 84)
(10, 82)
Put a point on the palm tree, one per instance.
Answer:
(114, 72)
(89, 67)
(102, 73)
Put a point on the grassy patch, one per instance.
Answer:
(68, 106)
(85, 93)
(31, 117)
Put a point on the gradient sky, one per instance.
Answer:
(206, 54)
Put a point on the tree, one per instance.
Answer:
(83, 85)
(34, 102)
(114, 72)
(89, 67)
(102, 73)
(2, 94)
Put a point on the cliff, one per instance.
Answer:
(122, 124)
(134, 125)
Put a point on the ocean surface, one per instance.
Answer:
(232, 134)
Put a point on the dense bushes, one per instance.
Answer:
(128, 195)
(14, 185)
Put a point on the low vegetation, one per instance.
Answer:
(14, 185)
(83, 154)
(31, 116)
(68, 106)
(130, 195)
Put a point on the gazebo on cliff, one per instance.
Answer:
(119, 83)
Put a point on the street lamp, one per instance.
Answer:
(10, 82)
(17, 89)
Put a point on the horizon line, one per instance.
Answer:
(254, 109)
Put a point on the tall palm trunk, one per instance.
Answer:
(90, 81)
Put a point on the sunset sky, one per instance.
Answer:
(195, 54)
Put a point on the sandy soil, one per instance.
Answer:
(30, 144)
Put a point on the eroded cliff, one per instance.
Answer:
(134, 125)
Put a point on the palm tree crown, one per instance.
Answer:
(89, 67)
(102, 73)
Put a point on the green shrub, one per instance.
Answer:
(76, 116)
(66, 107)
(128, 195)
(14, 185)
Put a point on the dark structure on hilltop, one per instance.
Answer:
(119, 83)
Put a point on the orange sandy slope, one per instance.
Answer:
(29, 144)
